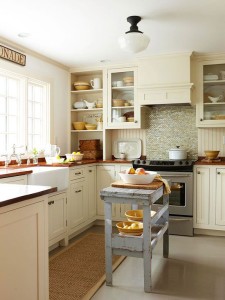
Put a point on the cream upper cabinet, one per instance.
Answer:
(210, 91)
(165, 79)
(123, 110)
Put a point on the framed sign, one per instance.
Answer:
(13, 56)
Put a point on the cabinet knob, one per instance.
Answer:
(198, 172)
(218, 173)
(90, 171)
(201, 119)
(135, 121)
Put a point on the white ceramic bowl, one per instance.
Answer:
(74, 157)
(138, 179)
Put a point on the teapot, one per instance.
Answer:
(79, 104)
(90, 104)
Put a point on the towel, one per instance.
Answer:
(165, 184)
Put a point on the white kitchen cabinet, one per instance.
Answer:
(220, 197)
(123, 110)
(57, 219)
(24, 250)
(107, 174)
(209, 195)
(165, 79)
(202, 205)
(77, 204)
(91, 190)
(21, 179)
(210, 85)
(82, 114)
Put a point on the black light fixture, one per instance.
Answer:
(134, 40)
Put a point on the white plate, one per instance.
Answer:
(131, 147)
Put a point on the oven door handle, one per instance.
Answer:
(181, 175)
(179, 220)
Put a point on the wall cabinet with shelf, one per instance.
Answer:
(210, 92)
(122, 106)
(80, 112)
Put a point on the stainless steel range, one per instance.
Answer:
(180, 174)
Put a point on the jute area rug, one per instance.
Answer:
(78, 271)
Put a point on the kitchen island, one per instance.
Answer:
(154, 228)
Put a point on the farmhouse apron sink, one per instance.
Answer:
(49, 176)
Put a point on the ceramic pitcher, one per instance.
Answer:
(96, 83)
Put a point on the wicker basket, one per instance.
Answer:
(92, 154)
(89, 145)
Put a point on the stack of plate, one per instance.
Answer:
(81, 85)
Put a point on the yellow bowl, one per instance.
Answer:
(90, 126)
(124, 227)
(79, 125)
(136, 215)
(118, 102)
(211, 154)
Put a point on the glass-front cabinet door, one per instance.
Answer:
(122, 106)
(212, 108)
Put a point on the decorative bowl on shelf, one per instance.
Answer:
(80, 85)
(79, 125)
(118, 102)
(90, 126)
(146, 178)
(211, 154)
(215, 99)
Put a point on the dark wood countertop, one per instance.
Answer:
(203, 162)
(14, 193)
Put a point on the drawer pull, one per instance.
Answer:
(78, 191)
(51, 202)
(78, 173)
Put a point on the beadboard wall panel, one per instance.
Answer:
(211, 139)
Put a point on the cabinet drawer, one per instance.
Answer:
(77, 173)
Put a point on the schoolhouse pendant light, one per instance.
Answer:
(134, 40)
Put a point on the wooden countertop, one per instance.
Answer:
(203, 162)
(14, 193)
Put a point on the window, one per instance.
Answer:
(24, 112)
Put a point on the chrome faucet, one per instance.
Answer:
(7, 160)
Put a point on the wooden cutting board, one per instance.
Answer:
(150, 186)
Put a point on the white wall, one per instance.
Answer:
(59, 79)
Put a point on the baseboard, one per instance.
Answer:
(208, 232)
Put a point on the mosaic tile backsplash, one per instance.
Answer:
(168, 127)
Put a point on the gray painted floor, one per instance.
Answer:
(195, 269)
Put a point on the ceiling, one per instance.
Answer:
(85, 32)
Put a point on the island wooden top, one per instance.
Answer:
(14, 193)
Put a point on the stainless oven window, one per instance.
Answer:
(177, 196)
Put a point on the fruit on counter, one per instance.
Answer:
(76, 153)
(140, 171)
(130, 171)
(57, 157)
